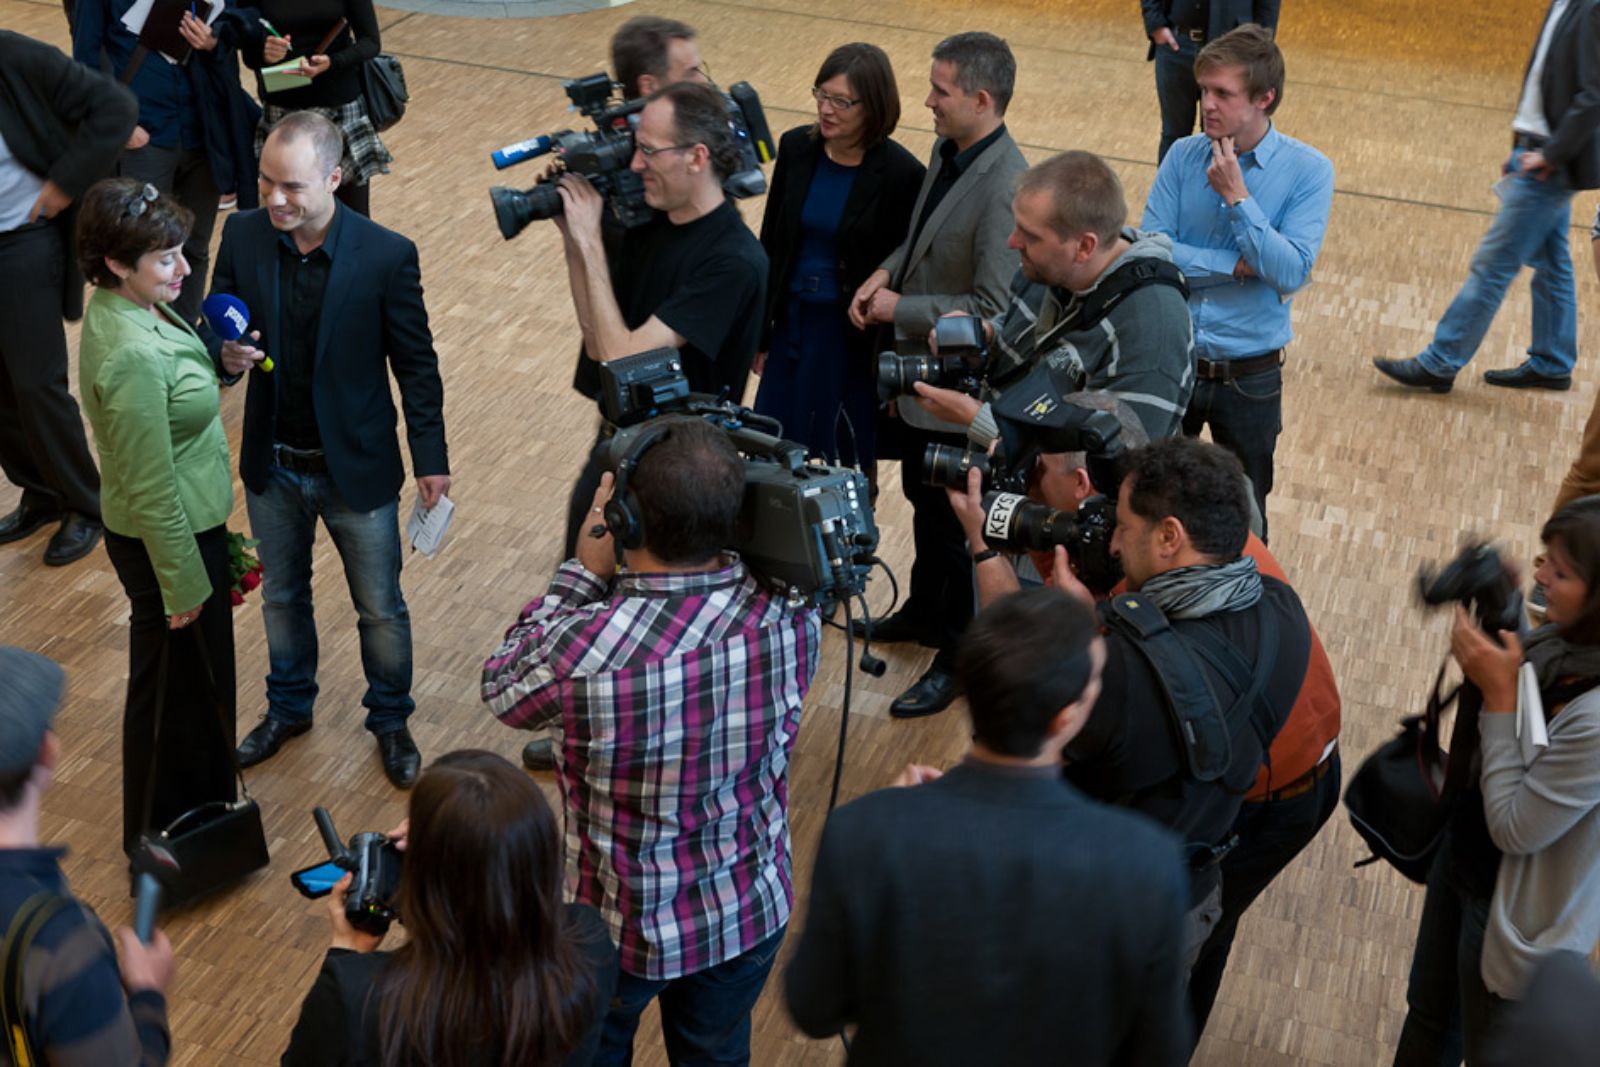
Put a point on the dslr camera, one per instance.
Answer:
(1477, 579)
(805, 529)
(963, 357)
(375, 864)
(605, 156)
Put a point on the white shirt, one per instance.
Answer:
(19, 189)
(1530, 111)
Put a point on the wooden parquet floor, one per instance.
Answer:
(1414, 110)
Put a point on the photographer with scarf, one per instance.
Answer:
(1242, 637)
(1517, 877)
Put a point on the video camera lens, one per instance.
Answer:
(514, 209)
(948, 465)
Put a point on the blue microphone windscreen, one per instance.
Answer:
(226, 315)
(512, 154)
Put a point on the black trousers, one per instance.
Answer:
(42, 447)
(1245, 416)
(197, 720)
(941, 593)
(1271, 834)
(185, 175)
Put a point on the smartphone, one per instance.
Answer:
(317, 881)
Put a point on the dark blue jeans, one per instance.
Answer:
(1245, 416)
(1177, 92)
(284, 519)
(1271, 834)
(1449, 1010)
(705, 1016)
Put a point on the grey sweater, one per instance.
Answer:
(1545, 818)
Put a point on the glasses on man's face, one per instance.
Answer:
(147, 196)
(838, 103)
(651, 153)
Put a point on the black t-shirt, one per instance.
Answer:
(1129, 751)
(707, 280)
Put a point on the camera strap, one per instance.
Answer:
(26, 923)
(1087, 310)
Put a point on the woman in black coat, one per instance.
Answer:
(840, 203)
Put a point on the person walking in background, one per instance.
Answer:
(1178, 29)
(840, 202)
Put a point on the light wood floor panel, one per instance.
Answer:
(1414, 112)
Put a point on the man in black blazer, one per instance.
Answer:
(335, 301)
(1555, 152)
(1178, 29)
(61, 127)
(994, 914)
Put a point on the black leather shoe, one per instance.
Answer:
(539, 754)
(1411, 372)
(263, 742)
(931, 694)
(901, 626)
(1524, 377)
(75, 539)
(401, 760)
(23, 521)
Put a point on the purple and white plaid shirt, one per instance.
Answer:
(678, 702)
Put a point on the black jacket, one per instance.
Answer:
(66, 123)
(1224, 15)
(877, 216)
(1570, 87)
(373, 321)
(995, 916)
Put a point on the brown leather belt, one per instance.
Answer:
(1226, 370)
(1305, 783)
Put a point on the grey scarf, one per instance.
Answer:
(1554, 657)
(1195, 592)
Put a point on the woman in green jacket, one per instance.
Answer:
(151, 394)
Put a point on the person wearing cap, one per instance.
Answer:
(78, 1007)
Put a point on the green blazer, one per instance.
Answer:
(150, 390)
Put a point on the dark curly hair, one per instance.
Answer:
(1200, 484)
(107, 229)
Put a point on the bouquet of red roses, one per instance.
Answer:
(244, 569)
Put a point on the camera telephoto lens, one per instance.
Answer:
(948, 465)
(514, 209)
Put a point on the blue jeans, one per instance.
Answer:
(1245, 416)
(1177, 92)
(1449, 1011)
(705, 1016)
(1530, 228)
(284, 519)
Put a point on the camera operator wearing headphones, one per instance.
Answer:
(693, 278)
(1101, 303)
(676, 687)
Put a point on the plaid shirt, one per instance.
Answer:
(678, 699)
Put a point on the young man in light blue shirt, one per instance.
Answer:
(1246, 208)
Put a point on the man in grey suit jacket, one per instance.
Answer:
(1555, 152)
(955, 259)
(994, 914)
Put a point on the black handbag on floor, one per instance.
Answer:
(216, 843)
(383, 90)
(1400, 798)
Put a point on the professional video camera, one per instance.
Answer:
(1477, 579)
(963, 357)
(806, 529)
(375, 864)
(605, 156)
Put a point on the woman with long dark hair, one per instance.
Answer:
(841, 201)
(495, 969)
(1518, 875)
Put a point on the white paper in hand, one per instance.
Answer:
(1532, 732)
(427, 527)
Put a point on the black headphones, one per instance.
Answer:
(624, 518)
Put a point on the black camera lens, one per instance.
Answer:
(514, 209)
(1013, 521)
(898, 374)
(948, 465)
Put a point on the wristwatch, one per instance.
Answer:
(1241, 200)
(984, 556)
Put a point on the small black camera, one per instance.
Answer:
(1477, 579)
(375, 863)
(963, 355)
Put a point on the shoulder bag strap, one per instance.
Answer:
(134, 63)
(25, 926)
(322, 46)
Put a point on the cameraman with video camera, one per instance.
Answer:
(677, 683)
(693, 278)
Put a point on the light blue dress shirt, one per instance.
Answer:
(1277, 230)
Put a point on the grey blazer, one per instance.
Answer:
(959, 261)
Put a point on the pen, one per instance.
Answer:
(270, 27)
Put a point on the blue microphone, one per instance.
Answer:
(229, 319)
(521, 152)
